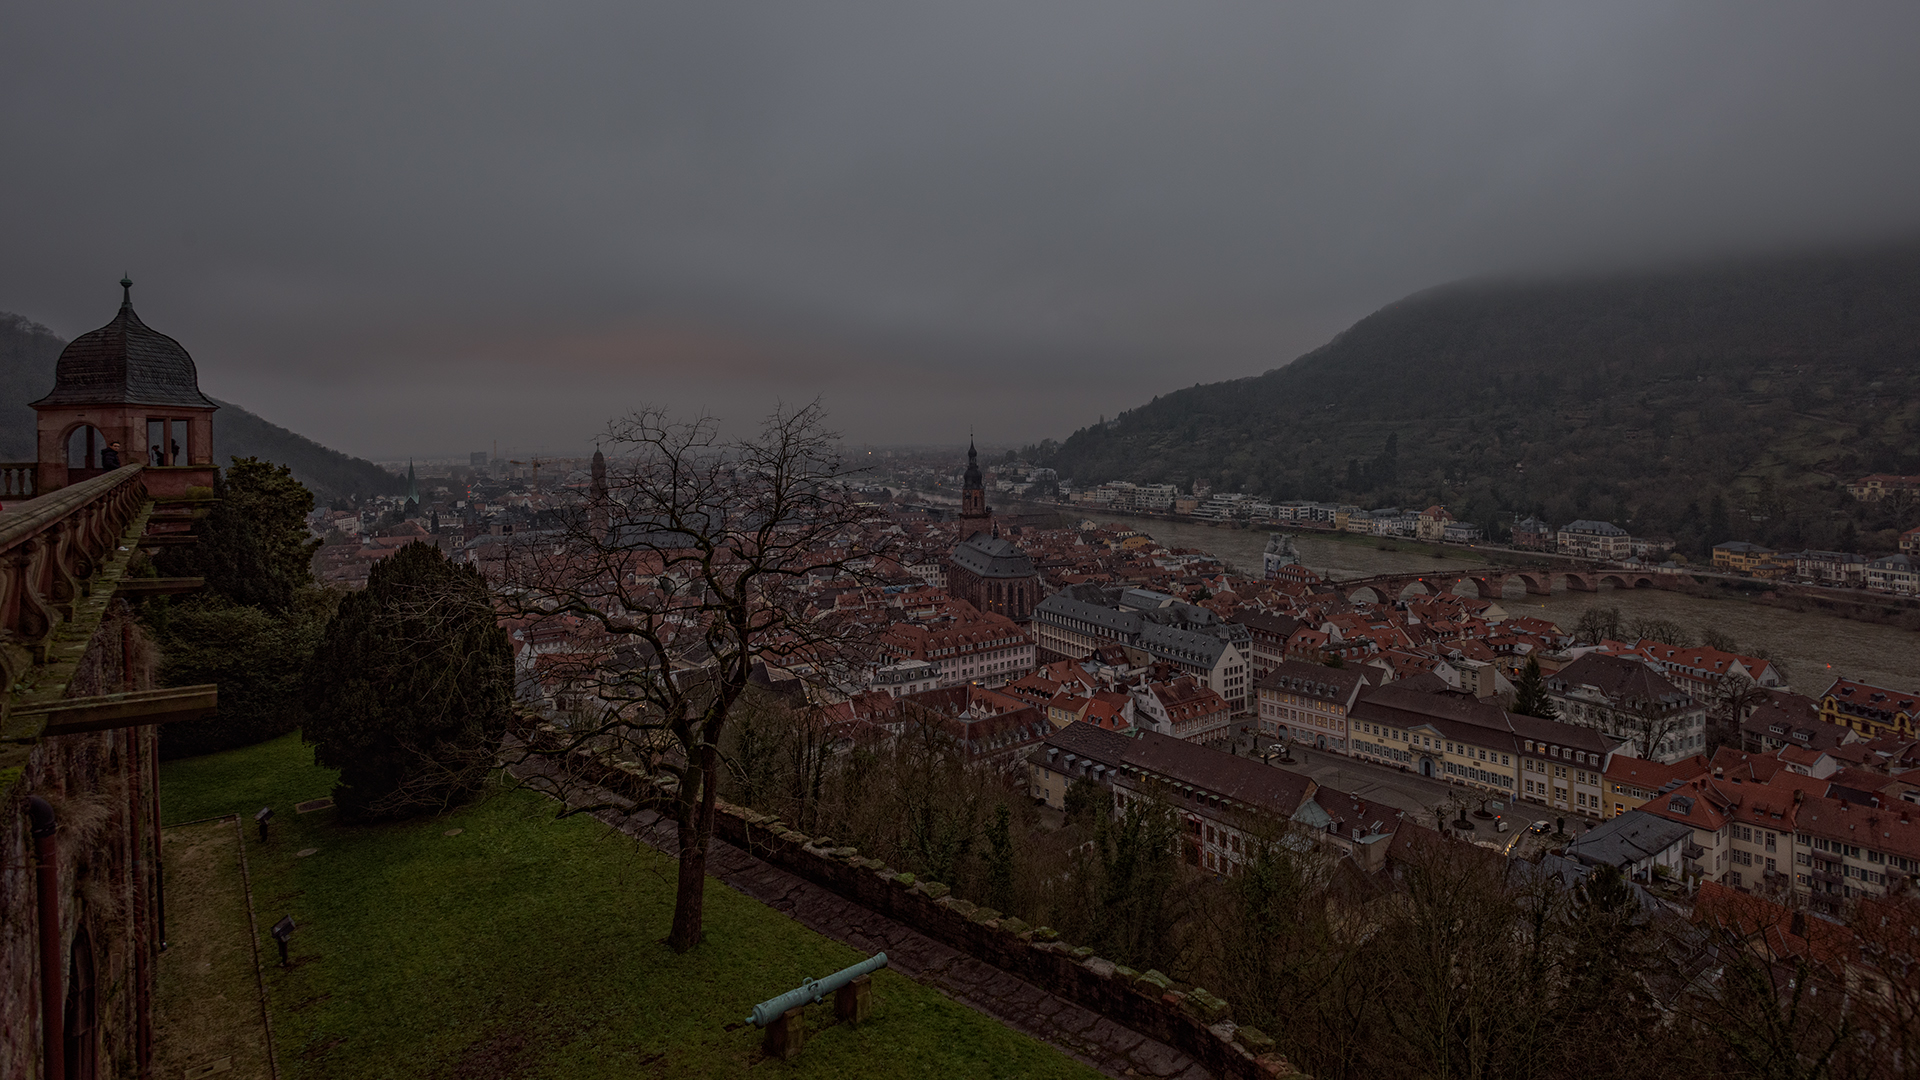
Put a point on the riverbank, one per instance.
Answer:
(1813, 637)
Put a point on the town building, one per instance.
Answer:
(1841, 569)
(1882, 485)
(1267, 637)
(1226, 805)
(1433, 523)
(1633, 782)
(1081, 619)
(1308, 703)
(1899, 574)
(1873, 711)
(982, 723)
(1184, 709)
(1533, 534)
(1742, 557)
(1643, 846)
(1599, 540)
(1631, 702)
(964, 644)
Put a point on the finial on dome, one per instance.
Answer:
(126, 290)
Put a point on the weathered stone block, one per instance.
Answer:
(1272, 1064)
(1253, 1039)
(1209, 1007)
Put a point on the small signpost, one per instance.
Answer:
(852, 990)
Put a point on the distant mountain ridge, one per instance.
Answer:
(28, 352)
(1736, 398)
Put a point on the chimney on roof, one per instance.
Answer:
(1798, 925)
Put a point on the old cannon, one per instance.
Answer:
(780, 1016)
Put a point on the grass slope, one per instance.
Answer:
(528, 946)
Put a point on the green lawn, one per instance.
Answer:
(527, 946)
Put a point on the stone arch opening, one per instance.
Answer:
(85, 445)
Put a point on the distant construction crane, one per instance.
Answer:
(536, 463)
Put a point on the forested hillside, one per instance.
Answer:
(28, 352)
(1714, 403)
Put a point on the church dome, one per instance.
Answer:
(126, 362)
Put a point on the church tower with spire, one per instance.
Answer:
(973, 495)
(985, 569)
(597, 496)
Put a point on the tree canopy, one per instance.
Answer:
(253, 626)
(254, 545)
(411, 688)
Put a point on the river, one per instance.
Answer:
(1811, 646)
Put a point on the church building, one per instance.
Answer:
(985, 569)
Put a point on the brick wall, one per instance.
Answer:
(102, 786)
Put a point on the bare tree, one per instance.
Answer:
(1664, 631)
(1650, 723)
(676, 581)
(1732, 699)
(1598, 624)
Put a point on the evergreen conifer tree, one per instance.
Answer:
(1530, 693)
(411, 688)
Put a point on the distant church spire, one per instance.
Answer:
(597, 496)
(973, 493)
(413, 487)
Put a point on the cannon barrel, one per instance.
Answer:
(811, 991)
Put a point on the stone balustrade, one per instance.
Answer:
(50, 549)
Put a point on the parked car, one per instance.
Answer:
(1540, 828)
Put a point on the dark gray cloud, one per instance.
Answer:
(424, 227)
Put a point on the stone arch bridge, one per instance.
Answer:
(1490, 583)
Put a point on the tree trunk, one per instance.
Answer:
(695, 820)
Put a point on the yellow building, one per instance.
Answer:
(1871, 710)
(1740, 556)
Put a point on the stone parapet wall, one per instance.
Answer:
(1193, 1021)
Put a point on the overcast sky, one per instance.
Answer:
(423, 228)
